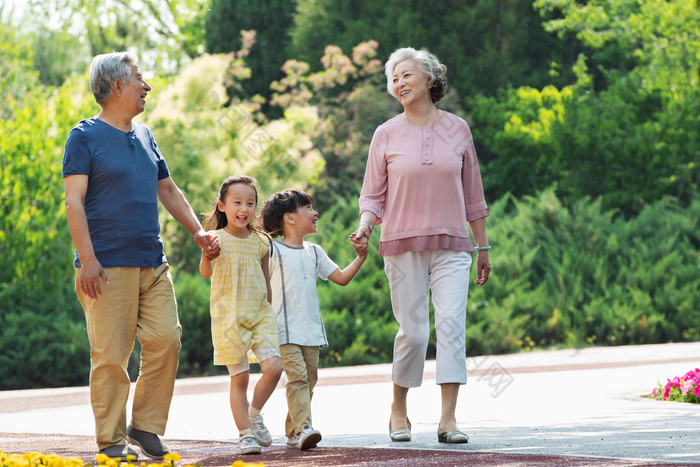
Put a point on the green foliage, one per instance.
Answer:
(351, 103)
(486, 45)
(626, 131)
(270, 19)
(582, 276)
(40, 348)
(166, 34)
(41, 326)
(17, 76)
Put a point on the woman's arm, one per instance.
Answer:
(374, 185)
(483, 266)
(367, 221)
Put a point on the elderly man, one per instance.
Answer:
(114, 175)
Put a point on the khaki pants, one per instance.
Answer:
(137, 302)
(300, 363)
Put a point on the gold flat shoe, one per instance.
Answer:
(451, 437)
(400, 434)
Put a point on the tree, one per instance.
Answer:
(485, 44)
(270, 19)
(625, 131)
(351, 101)
(165, 33)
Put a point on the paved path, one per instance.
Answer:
(567, 407)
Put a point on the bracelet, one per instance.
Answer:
(369, 226)
(483, 248)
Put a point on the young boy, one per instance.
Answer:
(294, 267)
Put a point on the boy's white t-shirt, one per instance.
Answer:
(293, 273)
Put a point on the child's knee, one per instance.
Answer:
(273, 367)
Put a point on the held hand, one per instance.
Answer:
(90, 275)
(214, 249)
(203, 239)
(358, 240)
(483, 267)
(361, 235)
(359, 245)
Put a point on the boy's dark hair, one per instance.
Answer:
(278, 205)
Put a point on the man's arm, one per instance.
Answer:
(176, 204)
(90, 268)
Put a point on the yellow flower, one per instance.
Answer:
(172, 457)
(102, 459)
(240, 463)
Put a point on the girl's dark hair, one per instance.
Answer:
(278, 205)
(215, 219)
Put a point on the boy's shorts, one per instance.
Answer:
(263, 353)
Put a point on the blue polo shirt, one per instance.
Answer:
(121, 203)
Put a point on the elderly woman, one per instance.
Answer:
(422, 183)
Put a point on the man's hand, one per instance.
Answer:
(90, 274)
(209, 242)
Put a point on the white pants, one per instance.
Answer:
(412, 278)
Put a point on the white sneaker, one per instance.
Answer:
(308, 438)
(293, 441)
(247, 445)
(260, 431)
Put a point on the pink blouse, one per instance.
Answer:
(423, 184)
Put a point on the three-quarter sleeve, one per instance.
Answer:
(474, 202)
(374, 185)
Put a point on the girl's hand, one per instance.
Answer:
(214, 247)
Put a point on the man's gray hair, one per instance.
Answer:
(106, 68)
(428, 64)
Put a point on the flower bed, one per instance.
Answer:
(37, 459)
(679, 389)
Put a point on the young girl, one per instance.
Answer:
(294, 266)
(241, 316)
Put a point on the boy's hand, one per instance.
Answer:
(363, 240)
(361, 250)
(359, 244)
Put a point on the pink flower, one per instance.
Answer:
(674, 383)
(685, 388)
(655, 392)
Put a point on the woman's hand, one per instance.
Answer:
(483, 267)
(359, 244)
(361, 235)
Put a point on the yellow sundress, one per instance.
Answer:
(241, 317)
